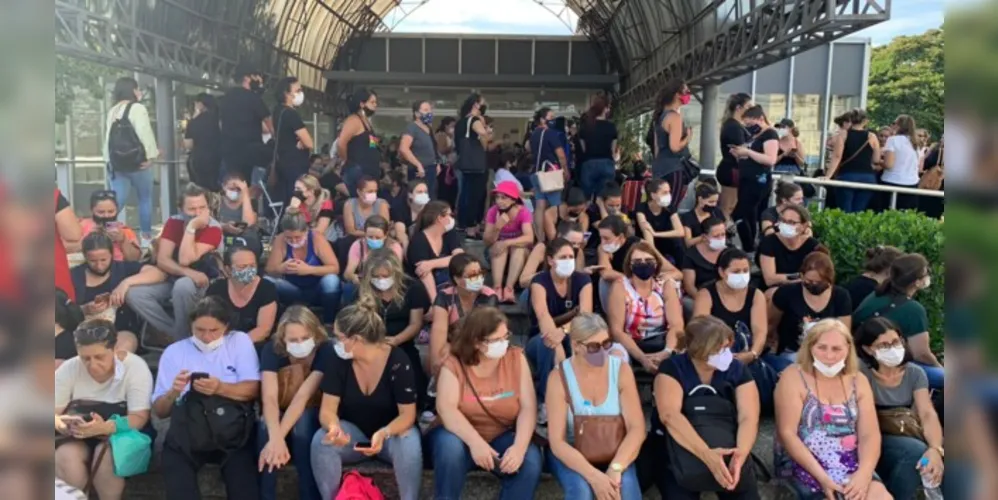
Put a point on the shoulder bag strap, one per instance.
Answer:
(858, 151)
(537, 154)
(464, 371)
(128, 108)
(564, 383)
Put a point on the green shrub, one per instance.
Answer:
(848, 236)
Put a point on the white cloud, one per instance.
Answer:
(483, 16)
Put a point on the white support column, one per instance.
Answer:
(866, 75)
(826, 106)
(533, 56)
(166, 139)
(790, 88)
(709, 132)
(65, 173)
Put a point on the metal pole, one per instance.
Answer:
(166, 139)
(709, 134)
(64, 174)
(315, 132)
(894, 200)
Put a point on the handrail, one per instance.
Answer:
(100, 161)
(846, 184)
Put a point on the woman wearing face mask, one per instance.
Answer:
(537, 262)
(827, 421)
(787, 193)
(402, 303)
(615, 246)
(645, 313)
(798, 306)
(574, 209)
(376, 237)
(894, 300)
(405, 217)
(657, 223)
(313, 202)
(368, 396)
(471, 137)
(755, 173)
(417, 146)
(366, 204)
(508, 232)
(357, 144)
(251, 299)
(433, 245)
(548, 152)
(708, 364)
(230, 362)
(556, 296)
(671, 139)
(89, 388)
(593, 374)
(104, 217)
(875, 271)
(898, 383)
(202, 139)
(102, 283)
(707, 198)
(292, 365)
(781, 255)
(791, 158)
(733, 300)
(304, 267)
(487, 406)
(733, 134)
(700, 261)
(293, 143)
(235, 211)
(853, 160)
(467, 292)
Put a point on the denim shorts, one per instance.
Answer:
(553, 199)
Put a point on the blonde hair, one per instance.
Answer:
(321, 194)
(585, 326)
(380, 259)
(704, 335)
(806, 360)
(362, 319)
(298, 315)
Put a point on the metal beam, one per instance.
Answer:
(467, 80)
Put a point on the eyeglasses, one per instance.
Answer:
(643, 261)
(594, 347)
(500, 339)
(791, 222)
(892, 345)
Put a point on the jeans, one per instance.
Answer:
(553, 199)
(148, 301)
(542, 358)
(352, 174)
(854, 200)
(142, 180)
(899, 455)
(326, 293)
(348, 293)
(299, 444)
(452, 460)
(577, 488)
(936, 376)
(595, 175)
(180, 472)
(780, 362)
(404, 453)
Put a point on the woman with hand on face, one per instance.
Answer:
(359, 209)
(508, 232)
(657, 223)
(707, 197)
(708, 361)
(314, 202)
(235, 211)
(292, 365)
(781, 254)
(488, 409)
(417, 146)
(671, 138)
(251, 299)
(104, 216)
(304, 267)
(594, 383)
(827, 420)
(369, 399)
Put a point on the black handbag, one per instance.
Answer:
(202, 424)
(690, 168)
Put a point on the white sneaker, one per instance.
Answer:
(542, 414)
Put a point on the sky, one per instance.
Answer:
(549, 17)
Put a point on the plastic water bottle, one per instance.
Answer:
(932, 491)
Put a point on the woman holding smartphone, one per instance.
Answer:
(104, 215)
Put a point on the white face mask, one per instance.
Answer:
(266, 138)
(664, 200)
(421, 199)
(717, 243)
(299, 98)
(890, 357)
(564, 267)
(342, 351)
(383, 284)
(927, 283)
(738, 281)
(782, 132)
(474, 284)
(496, 350)
(787, 231)
(829, 370)
(611, 248)
(208, 346)
(722, 360)
(301, 349)
(370, 198)
(450, 224)
(232, 195)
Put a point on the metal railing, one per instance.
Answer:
(65, 177)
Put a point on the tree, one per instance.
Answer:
(907, 78)
(76, 78)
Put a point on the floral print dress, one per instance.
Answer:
(829, 432)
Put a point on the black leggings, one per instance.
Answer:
(753, 197)
(471, 200)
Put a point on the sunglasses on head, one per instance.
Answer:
(105, 194)
(594, 347)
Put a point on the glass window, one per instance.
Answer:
(840, 104)
(806, 115)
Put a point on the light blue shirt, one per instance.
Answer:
(233, 362)
(609, 407)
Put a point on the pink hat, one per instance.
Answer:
(509, 189)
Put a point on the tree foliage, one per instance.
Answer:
(907, 77)
(77, 79)
(971, 73)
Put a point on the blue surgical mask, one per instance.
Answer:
(375, 244)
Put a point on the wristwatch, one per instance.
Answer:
(942, 453)
(190, 230)
(616, 467)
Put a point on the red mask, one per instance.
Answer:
(685, 99)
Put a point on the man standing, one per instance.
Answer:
(246, 125)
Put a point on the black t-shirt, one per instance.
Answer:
(704, 270)
(119, 271)
(751, 169)
(329, 181)
(797, 314)
(680, 368)
(287, 123)
(692, 221)
(244, 318)
(371, 412)
(771, 215)
(401, 212)
(242, 113)
(787, 261)
(860, 288)
(270, 361)
(396, 314)
(733, 133)
(207, 136)
(420, 249)
(739, 321)
(598, 139)
(545, 150)
(65, 345)
(617, 259)
(557, 304)
(660, 223)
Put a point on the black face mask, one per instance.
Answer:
(575, 215)
(754, 129)
(504, 210)
(99, 273)
(368, 112)
(103, 221)
(483, 108)
(256, 86)
(816, 288)
(644, 270)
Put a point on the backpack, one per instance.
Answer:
(125, 151)
(356, 486)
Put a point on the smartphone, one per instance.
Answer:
(363, 445)
(114, 225)
(240, 224)
(198, 376)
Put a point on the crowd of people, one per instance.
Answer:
(364, 330)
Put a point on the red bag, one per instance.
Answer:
(356, 486)
(632, 195)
